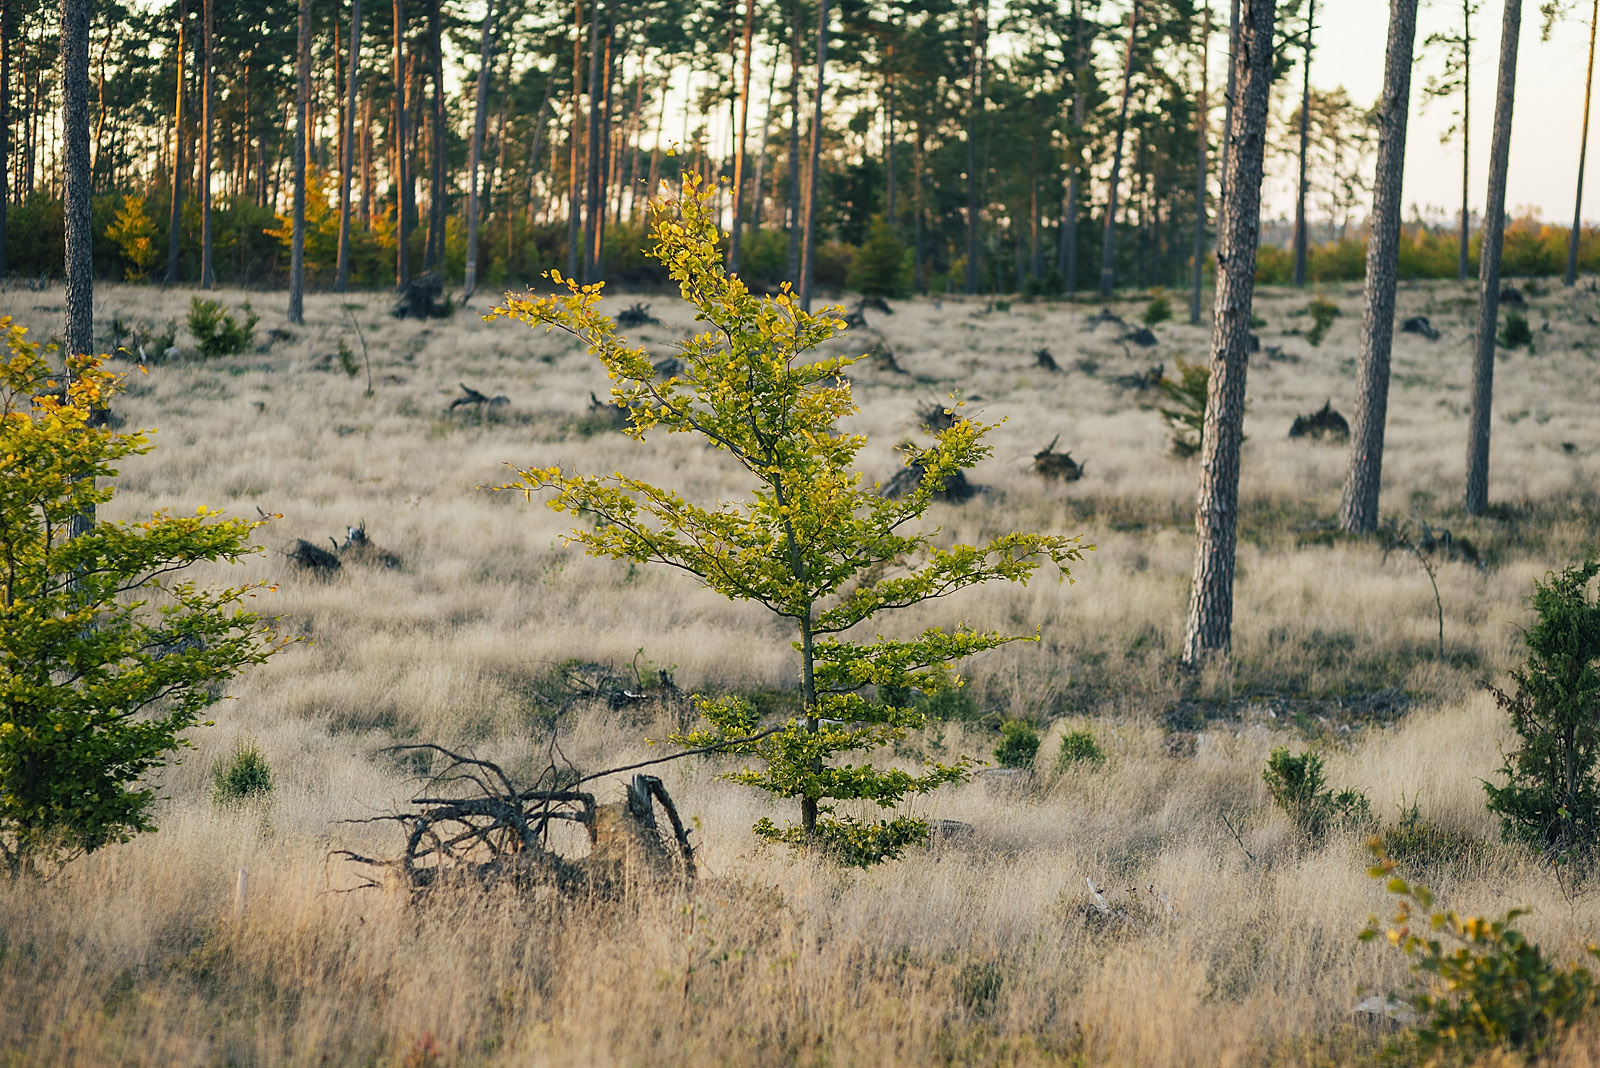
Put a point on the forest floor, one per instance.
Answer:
(488, 631)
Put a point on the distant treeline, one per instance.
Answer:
(251, 249)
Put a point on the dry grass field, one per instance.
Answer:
(976, 952)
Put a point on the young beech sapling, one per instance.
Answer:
(812, 543)
(105, 658)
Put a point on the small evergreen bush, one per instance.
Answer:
(1159, 310)
(1188, 415)
(1019, 744)
(1323, 312)
(244, 776)
(1296, 785)
(1079, 749)
(217, 331)
(1516, 333)
(882, 266)
(1551, 800)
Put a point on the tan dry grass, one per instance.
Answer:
(970, 955)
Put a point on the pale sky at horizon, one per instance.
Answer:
(1548, 111)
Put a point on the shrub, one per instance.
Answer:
(1323, 312)
(106, 658)
(134, 233)
(1516, 333)
(1159, 310)
(953, 703)
(1019, 744)
(813, 544)
(1079, 749)
(1296, 785)
(1488, 986)
(1551, 799)
(882, 266)
(1188, 416)
(244, 776)
(217, 331)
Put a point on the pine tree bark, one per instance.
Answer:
(1203, 135)
(1067, 257)
(744, 132)
(795, 213)
(889, 140)
(438, 198)
(808, 262)
(974, 103)
(1209, 628)
(302, 108)
(5, 125)
(1108, 243)
(1227, 113)
(480, 118)
(208, 105)
(591, 184)
(78, 338)
(1494, 222)
(574, 193)
(1583, 153)
(402, 169)
(179, 169)
(1358, 512)
(341, 278)
(1463, 263)
(1302, 240)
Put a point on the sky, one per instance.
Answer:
(1548, 108)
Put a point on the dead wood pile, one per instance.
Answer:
(1325, 424)
(1057, 465)
(420, 299)
(636, 314)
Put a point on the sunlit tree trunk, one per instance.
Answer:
(574, 194)
(744, 130)
(480, 119)
(591, 185)
(438, 199)
(347, 164)
(974, 105)
(207, 120)
(1583, 153)
(1209, 628)
(1108, 244)
(808, 265)
(1494, 224)
(797, 31)
(1463, 264)
(1203, 113)
(302, 108)
(1067, 257)
(1358, 512)
(5, 124)
(402, 168)
(179, 169)
(1301, 236)
(78, 338)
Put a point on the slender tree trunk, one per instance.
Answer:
(402, 170)
(1462, 261)
(302, 108)
(1209, 629)
(808, 266)
(1227, 113)
(367, 176)
(78, 339)
(175, 218)
(575, 195)
(602, 179)
(208, 105)
(433, 249)
(480, 117)
(591, 185)
(1067, 258)
(1583, 153)
(1358, 513)
(1302, 239)
(1108, 243)
(1203, 135)
(919, 256)
(758, 199)
(889, 139)
(974, 103)
(797, 31)
(341, 279)
(744, 132)
(1494, 225)
(5, 125)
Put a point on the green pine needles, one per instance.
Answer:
(813, 543)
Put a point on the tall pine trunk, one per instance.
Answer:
(1494, 225)
(1583, 153)
(974, 104)
(1108, 243)
(480, 118)
(1302, 239)
(591, 184)
(744, 131)
(78, 339)
(889, 140)
(179, 169)
(433, 249)
(808, 263)
(1463, 264)
(5, 125)
(1209, 628)
(797, 29)
(208, 105)
(1067, 255)
(341, 279)
(1202, 136)
(302, 108)
(574, 193)
(1227, 111)
(402, 168)
(1358, 512)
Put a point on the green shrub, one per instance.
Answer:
(861, 844)
(1323, 312)
(1159, 310)
(1188, 416)
(1296, 786)
(1551, 799)
(1019, 744)
(953, 703)
(1488, 986)
(244, 776)
(1516, 333)
(217, 331)
(1079, 749)
(882, 266)
(1002, 305)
